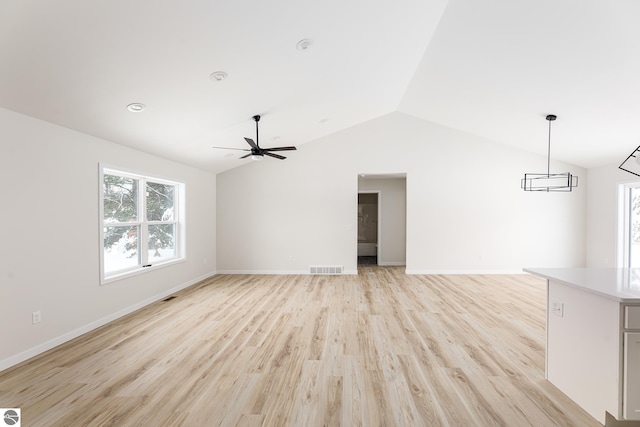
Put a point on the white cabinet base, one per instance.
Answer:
(583, 349)
(631, 395)
(593, 340)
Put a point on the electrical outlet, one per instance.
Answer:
(36, 317)
(558, 308)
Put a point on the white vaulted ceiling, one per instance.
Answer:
(493, 68)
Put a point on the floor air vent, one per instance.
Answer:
(325, 269)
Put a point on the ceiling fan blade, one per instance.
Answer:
(251, 143)
(274, 155)
(229, 148)
(245, 156)
(279, 149)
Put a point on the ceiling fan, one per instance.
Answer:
(257, 153)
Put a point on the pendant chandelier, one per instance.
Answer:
(632, 163)
(549, 182)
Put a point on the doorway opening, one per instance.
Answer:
(382, 219)
(368, 227)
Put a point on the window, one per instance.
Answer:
(630, 208)
(140, 223)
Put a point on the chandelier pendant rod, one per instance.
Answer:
(550, 118)
(549, 152)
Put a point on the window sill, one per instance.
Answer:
(138, 271)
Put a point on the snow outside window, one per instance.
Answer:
(630, 239)
(140, 224)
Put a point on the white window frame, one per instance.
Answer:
(624, 223)
(178, 220)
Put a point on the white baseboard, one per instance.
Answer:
(48, 345)
(391, 263)
(419, 271)
(282, 272)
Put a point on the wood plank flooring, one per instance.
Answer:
(377, 349)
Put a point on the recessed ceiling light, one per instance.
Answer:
(136, 107)
(218, 76)
(304, 44)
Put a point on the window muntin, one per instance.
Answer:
(140, 229)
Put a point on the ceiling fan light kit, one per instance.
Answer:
(549, 182)
(256, 152)
(632, 163)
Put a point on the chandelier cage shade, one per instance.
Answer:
(632, 163)
(549, 182)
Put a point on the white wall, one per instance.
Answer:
(50, 234)
(465, 209)
(602, 214)
(393, 224)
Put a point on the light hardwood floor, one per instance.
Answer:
(377, 349)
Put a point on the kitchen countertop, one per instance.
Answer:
(619, 284)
